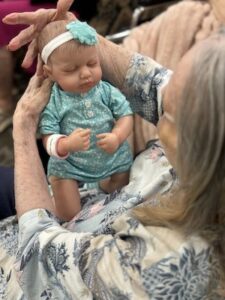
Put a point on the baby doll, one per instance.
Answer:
(86, 122)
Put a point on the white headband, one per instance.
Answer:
(55, 43)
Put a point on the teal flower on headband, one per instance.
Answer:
(82, 32)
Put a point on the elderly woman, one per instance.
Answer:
(175, 250)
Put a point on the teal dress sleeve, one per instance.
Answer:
(116, 101)
(50, 117)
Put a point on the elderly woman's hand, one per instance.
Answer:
(30, 106)
(37, 20)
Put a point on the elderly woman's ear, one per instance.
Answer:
(219, 10)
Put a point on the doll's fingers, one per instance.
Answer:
(86, 146)
(101, 136)
(78, 130)
(86, 141)
(85, 132)
(104, 148)
(101, 144)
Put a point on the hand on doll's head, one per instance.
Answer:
(31, 104)
(36, 21)
(109, 142)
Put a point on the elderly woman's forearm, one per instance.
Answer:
(114, 61)
(31, 188)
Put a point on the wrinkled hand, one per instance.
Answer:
(108, 142)
(37, 20)
(78, 140)
(31, 104)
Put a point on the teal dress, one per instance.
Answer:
(98, 110)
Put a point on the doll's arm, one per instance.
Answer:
(111, 141)
(123, 128)
(61, 145)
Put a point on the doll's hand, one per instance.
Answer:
(78, 140)
(108, 142)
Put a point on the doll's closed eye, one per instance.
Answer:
(92, 63)
(69, 68)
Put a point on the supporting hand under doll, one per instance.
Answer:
(78, 140)
(108, 142)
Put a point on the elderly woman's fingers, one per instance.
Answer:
(30, 55)
(63, 7)
(46, 84)
(31, 104)
(27, 18)
(44, 89)
(23, 38)
(43, 17)
(37, 20)
(42, 95)
(37, 93)
(39, 69)
(34, 83)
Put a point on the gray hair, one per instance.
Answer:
(201, 129)
(201, 144)
(197, 206)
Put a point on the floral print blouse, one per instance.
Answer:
(105, 252)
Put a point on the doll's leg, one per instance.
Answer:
(67, 197)
(115, 182)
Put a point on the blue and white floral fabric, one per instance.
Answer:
(128, 260)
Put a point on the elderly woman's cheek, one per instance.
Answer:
(168, 138)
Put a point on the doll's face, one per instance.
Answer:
(76, 71)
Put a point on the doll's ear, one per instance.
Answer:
(47, 71)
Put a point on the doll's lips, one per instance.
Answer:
(87, 84)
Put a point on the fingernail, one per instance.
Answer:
(26, 64)
(10, 17)
(13, 44)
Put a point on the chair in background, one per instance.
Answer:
(166, 38)
(144, 10)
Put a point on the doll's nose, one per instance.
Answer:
(85, 73)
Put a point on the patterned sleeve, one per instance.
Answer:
(54, 263)
(116, 101)
(143, 85)
(133, 262)
(50, 119)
